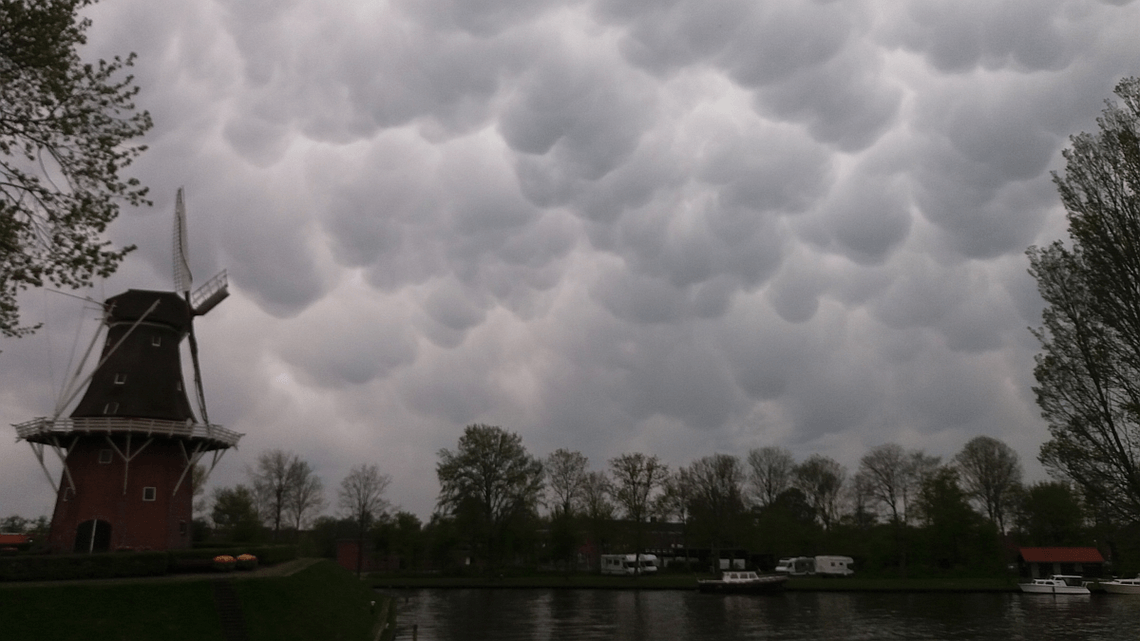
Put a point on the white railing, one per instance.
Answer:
(43, 427)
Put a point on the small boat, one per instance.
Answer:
(1056, 584)
(743, 583)
(1122, 586)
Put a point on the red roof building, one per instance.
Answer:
(1042, 562)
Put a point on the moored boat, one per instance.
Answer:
(743, 583)
(1056, 584)
(1122, 586)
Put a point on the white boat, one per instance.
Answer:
(1056, 584)
(743, 583)
(1122, 586)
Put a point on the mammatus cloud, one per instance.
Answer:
(608, 225)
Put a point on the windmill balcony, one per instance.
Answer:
(46, 430)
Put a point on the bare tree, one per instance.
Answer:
(596, 488)
(635, 478)
(273, 479)
(886, 473)
(990, 474)
(361, 496)
(821, 479)
(717, 503)
(769, 473)
(306, 497)
(566, 473)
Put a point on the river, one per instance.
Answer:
(580, 615)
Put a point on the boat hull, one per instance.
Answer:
(762, 585)
(1112, 587)
(1053, 589)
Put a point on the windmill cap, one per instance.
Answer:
(131, 305)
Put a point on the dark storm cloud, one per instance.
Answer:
(673, 227)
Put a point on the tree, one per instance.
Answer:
(769, 473)
(821, 480)
(1050, 514)
(272, 480)
(635, 477)
(885, 472)
(716, 498)
(597, 507)
(565, 472)
(990, 472)
(361, 497)
(490, 479)
(307, 496)
(1088, 386)
(956, 536)
(286, 488)
(65, 129)
(235, 513)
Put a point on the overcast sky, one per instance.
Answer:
(677, 227)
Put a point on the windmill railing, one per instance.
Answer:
(47, 430)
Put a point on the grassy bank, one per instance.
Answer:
(320, 602)
(689, 582)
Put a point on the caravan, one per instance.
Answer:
(627, 564)
(834, 565)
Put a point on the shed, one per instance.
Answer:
(1042, 562)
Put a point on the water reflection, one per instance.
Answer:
(573, 615)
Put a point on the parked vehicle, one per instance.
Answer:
(743, 583)
(796, 566)
(628, 564)
(834, 565)
(1056, 584)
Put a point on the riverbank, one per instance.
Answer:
(689, 582)
(318, 601)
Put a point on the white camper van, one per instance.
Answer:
(796, 566)
(627, 564)
(834, 565)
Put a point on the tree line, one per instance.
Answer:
(499, 506)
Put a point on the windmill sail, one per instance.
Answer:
(182, 278)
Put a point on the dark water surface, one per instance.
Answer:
(572, 615)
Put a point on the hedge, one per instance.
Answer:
(58, 567)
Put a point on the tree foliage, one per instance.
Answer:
(65, 132)
(489, 481)
(235, 513)
(990, 472)
(1088, 376)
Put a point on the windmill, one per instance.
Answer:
(131, 444)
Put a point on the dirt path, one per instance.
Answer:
(281, 569)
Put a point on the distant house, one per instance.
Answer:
(1041, 562)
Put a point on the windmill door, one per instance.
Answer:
(93, 536)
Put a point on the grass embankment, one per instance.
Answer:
(321, 602)
(689, 582)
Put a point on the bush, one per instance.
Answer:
(83, 566)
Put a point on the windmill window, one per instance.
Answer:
(149, 493)
(156, 341)
(182, 528)
(178, 385)
(104, 457)
(120, 378)
(110, 408)
(68, 493)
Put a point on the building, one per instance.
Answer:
(1036, 563)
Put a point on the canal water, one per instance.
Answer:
(574, 615)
